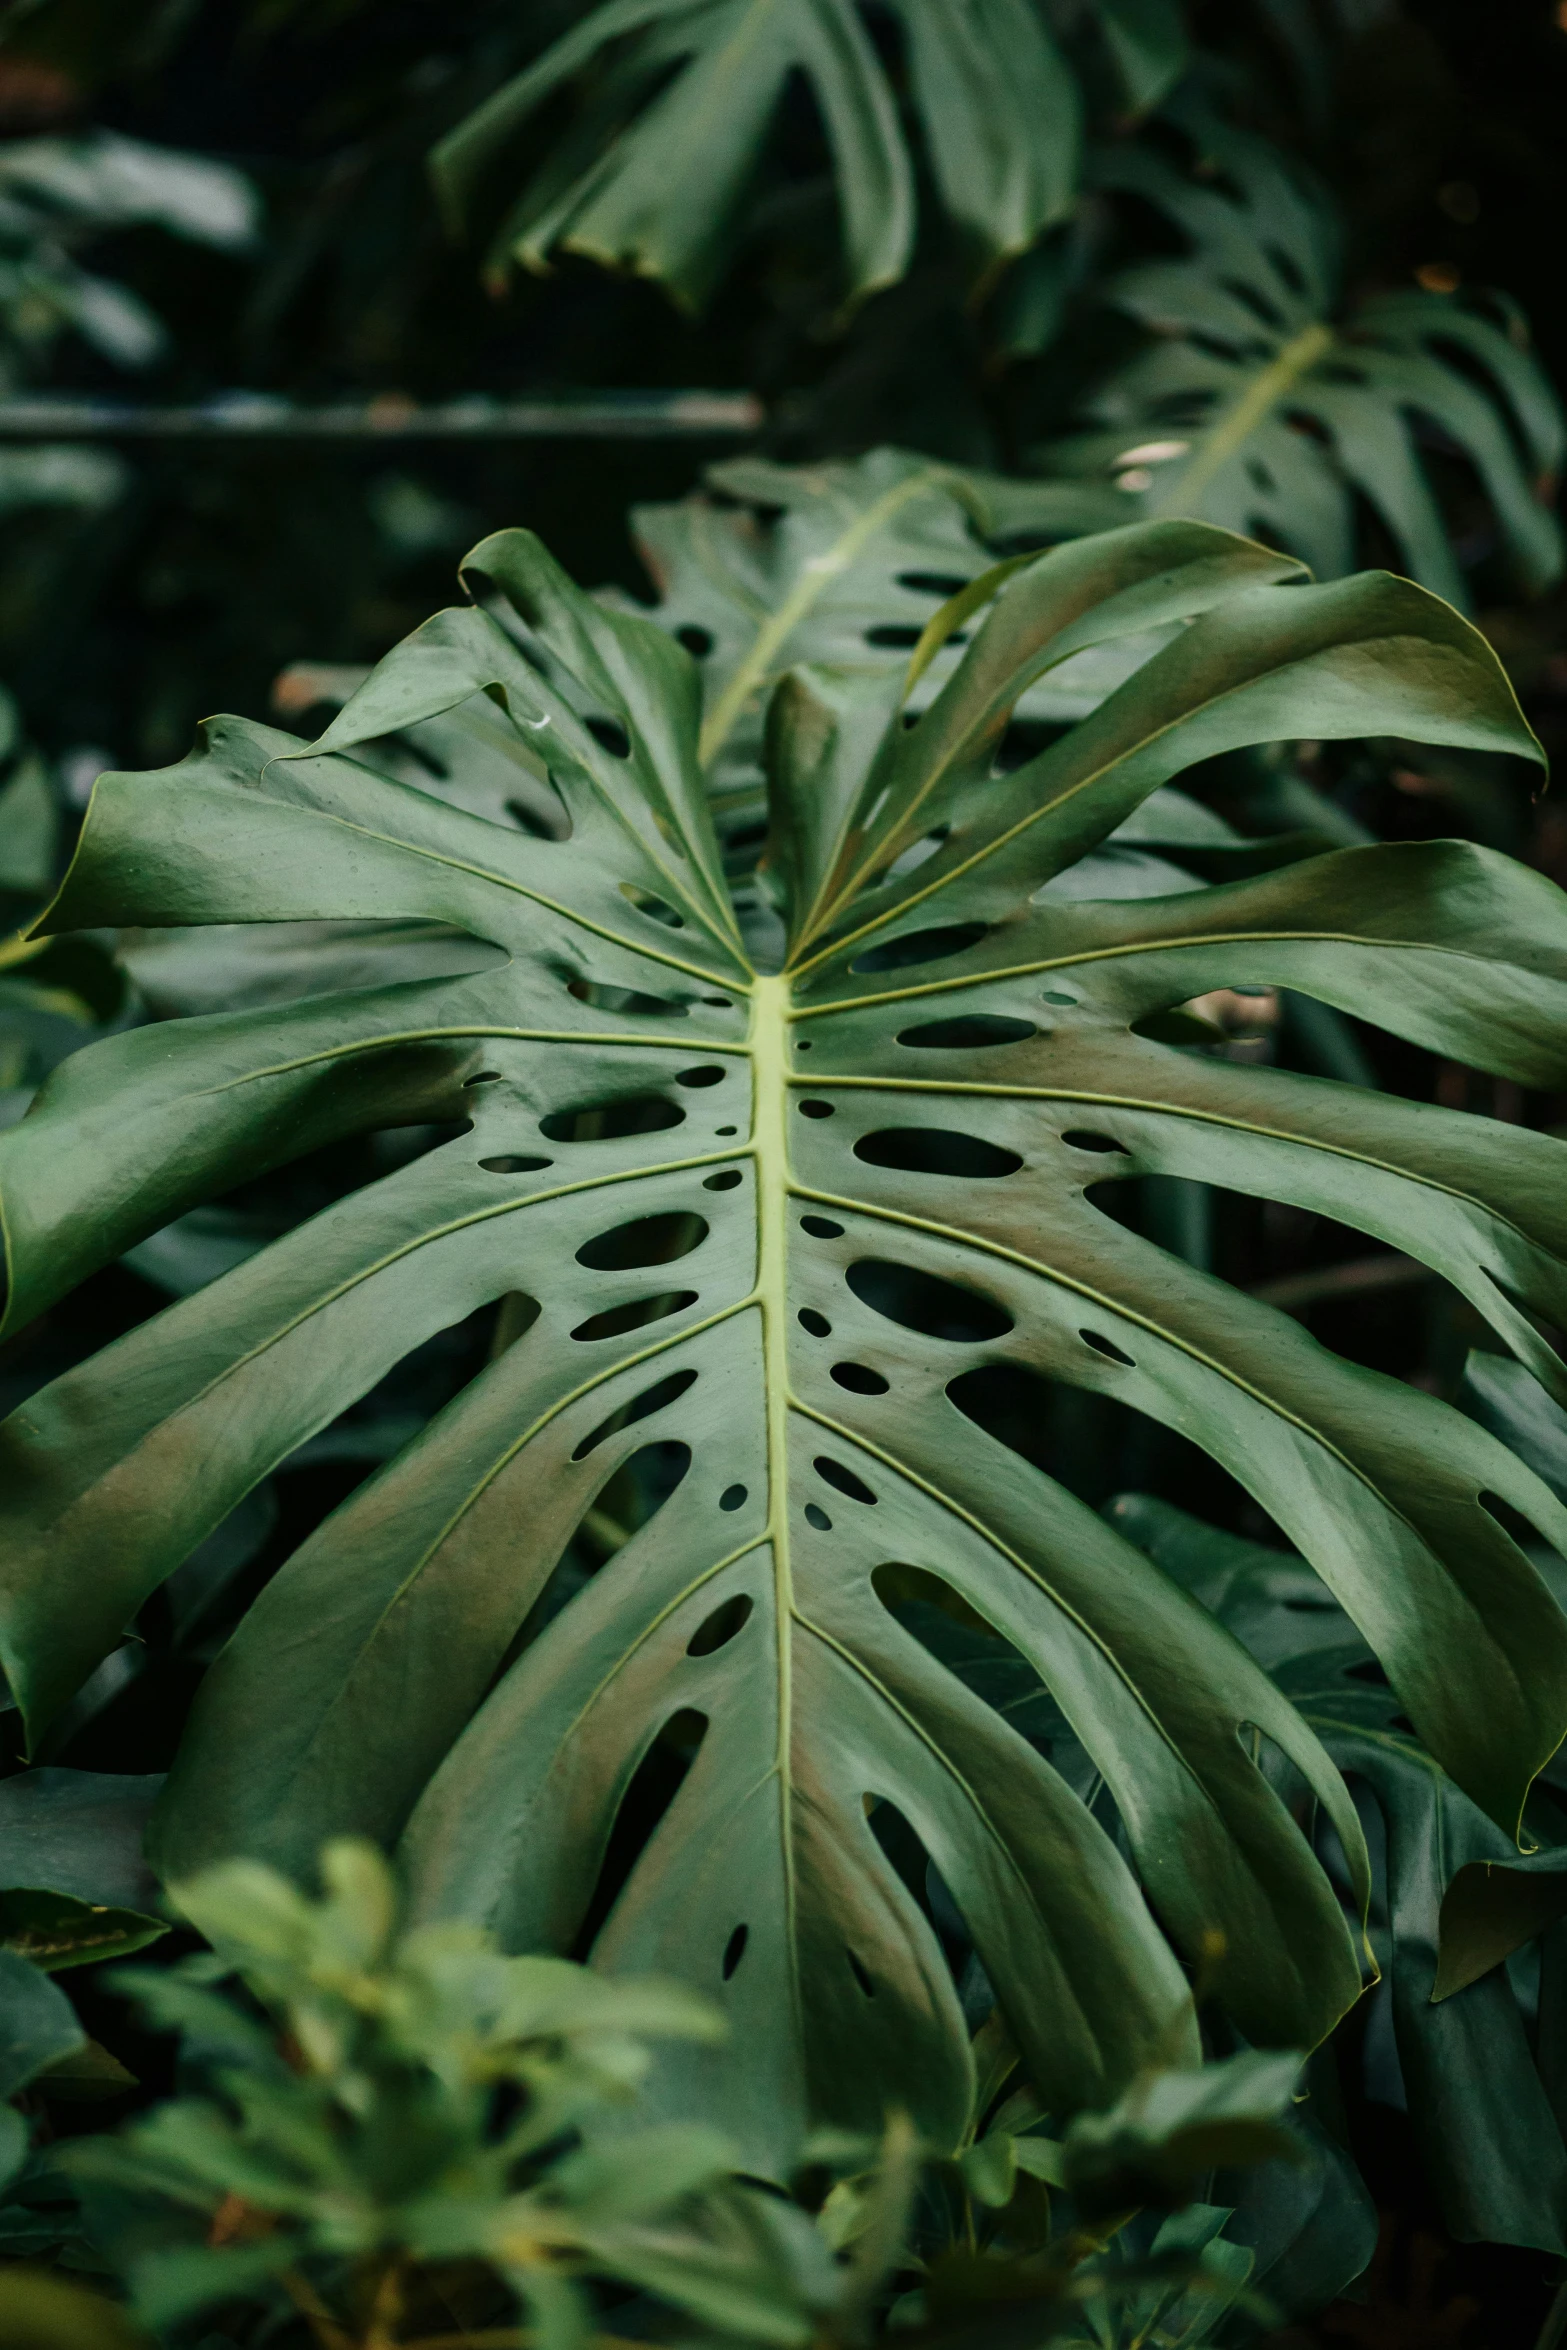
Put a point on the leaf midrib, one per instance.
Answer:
(816, 576)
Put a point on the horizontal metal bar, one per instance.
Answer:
(389, 416)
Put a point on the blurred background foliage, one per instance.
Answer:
(1434, 127)
(199, 197)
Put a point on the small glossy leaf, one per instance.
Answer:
(80, 1832)
(38, 2024)
(88, 2076)
(56, 1930)
(990, 2169)
(1490, 1910)
(1170, 2128)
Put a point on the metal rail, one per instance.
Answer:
(390, 416)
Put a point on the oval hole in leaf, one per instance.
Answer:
(1053, 995)
(1011, 1403)
(646, 1240)
(650, 1791)
(935, 1150)
(697, 641)
(821, 1227)
(1550, 1332)
(514, 1163)
(900, 1587)
(1080, 1139)
(652, 1399)
(617, 1320)
(734, 1949)
(893, 636)
(904, 1848)
(859, 1379)
(922, 946)
(1106, 1347)
(484, 1077)
(731, 1497)
(540, 819)
(421, 755)
(860, 1976)
(658, 909)
(610, 736)
(709, 1074)
(817, 1324)
(815, 1109)
(718, 1629)
(918, 852)
(629, 1499)
(932, 583)
(925, 1302)
(624, 999)
(975, 1033)
(933, 1612)
(724, 1180)
(612, 1121)
(1512, 1521)
(818, 1518)
(844, 1480)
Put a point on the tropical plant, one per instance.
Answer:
(1453, 1896)
(884, 1251)
(400, 2129)
(1263, 403)
(425, 2109)
(839, 564)
(655, 172)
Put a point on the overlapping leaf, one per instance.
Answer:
(840, 563)
(770, 1223)
(1484, 2093)
(1264, 404)
(655, 172)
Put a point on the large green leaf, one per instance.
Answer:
(840, 563)
(1263, 403)
(654, 173)
(771, 1223)
(1471, 2068)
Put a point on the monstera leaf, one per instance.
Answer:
(789, 1238)
(1265, 404)
(654, 173)
(840, 563)
(1485, 2094)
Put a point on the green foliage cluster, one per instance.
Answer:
(405, 2137)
